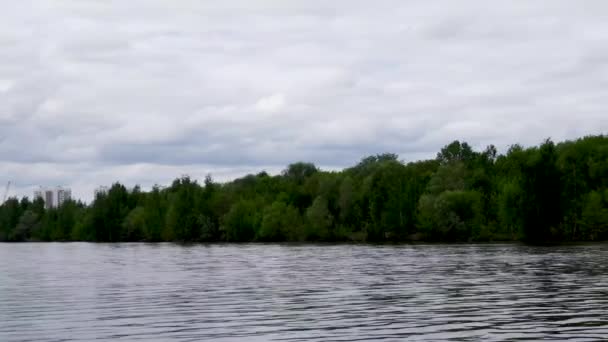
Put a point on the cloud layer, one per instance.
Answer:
(138, 91)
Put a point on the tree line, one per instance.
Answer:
(546, 193)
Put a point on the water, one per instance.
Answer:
(158, 292)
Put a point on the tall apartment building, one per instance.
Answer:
(53, 197)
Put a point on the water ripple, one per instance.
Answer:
(158, 292)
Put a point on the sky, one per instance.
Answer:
(141, 92)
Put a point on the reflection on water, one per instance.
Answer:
(78, 291)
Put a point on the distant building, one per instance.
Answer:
(102, 190)
(53, 197)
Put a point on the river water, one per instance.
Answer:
(159, 292)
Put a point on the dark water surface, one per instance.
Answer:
(158, 292)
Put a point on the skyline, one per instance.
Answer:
(145, 91)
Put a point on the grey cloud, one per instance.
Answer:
(142, 91)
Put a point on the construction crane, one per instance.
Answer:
(8, 186)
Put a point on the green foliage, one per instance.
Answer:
(594, 219)
(183, 217)
(280, 222)
(456, 152)
(319, 220)
(154, 215)
(450, 177)
(11, 213)
(509, 207)
(538, 194)
(299, 172)
(346, 200)
(29, 223)
(241, 222)
(541, 186)
(134, 225)
(67, 216)
(84, 229)
(451, 215)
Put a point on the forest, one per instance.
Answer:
(541, 194)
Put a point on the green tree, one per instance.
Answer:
(11, 213)
(346, 201)
(541, 189)
(299, 172)
(281, 222)
(319, 220)
(183, 215)
(509, 209)
(134, 225)
(456, 152)
(538, 194)
(154, 216)
(29, 223)
(241, 222)
(67, 214)
(452, 215)
(594, 217)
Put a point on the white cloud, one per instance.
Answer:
(145, 90)
(5, 85)
(270, 104)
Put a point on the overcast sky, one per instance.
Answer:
(93, 92)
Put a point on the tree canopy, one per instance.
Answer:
(546, 193)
